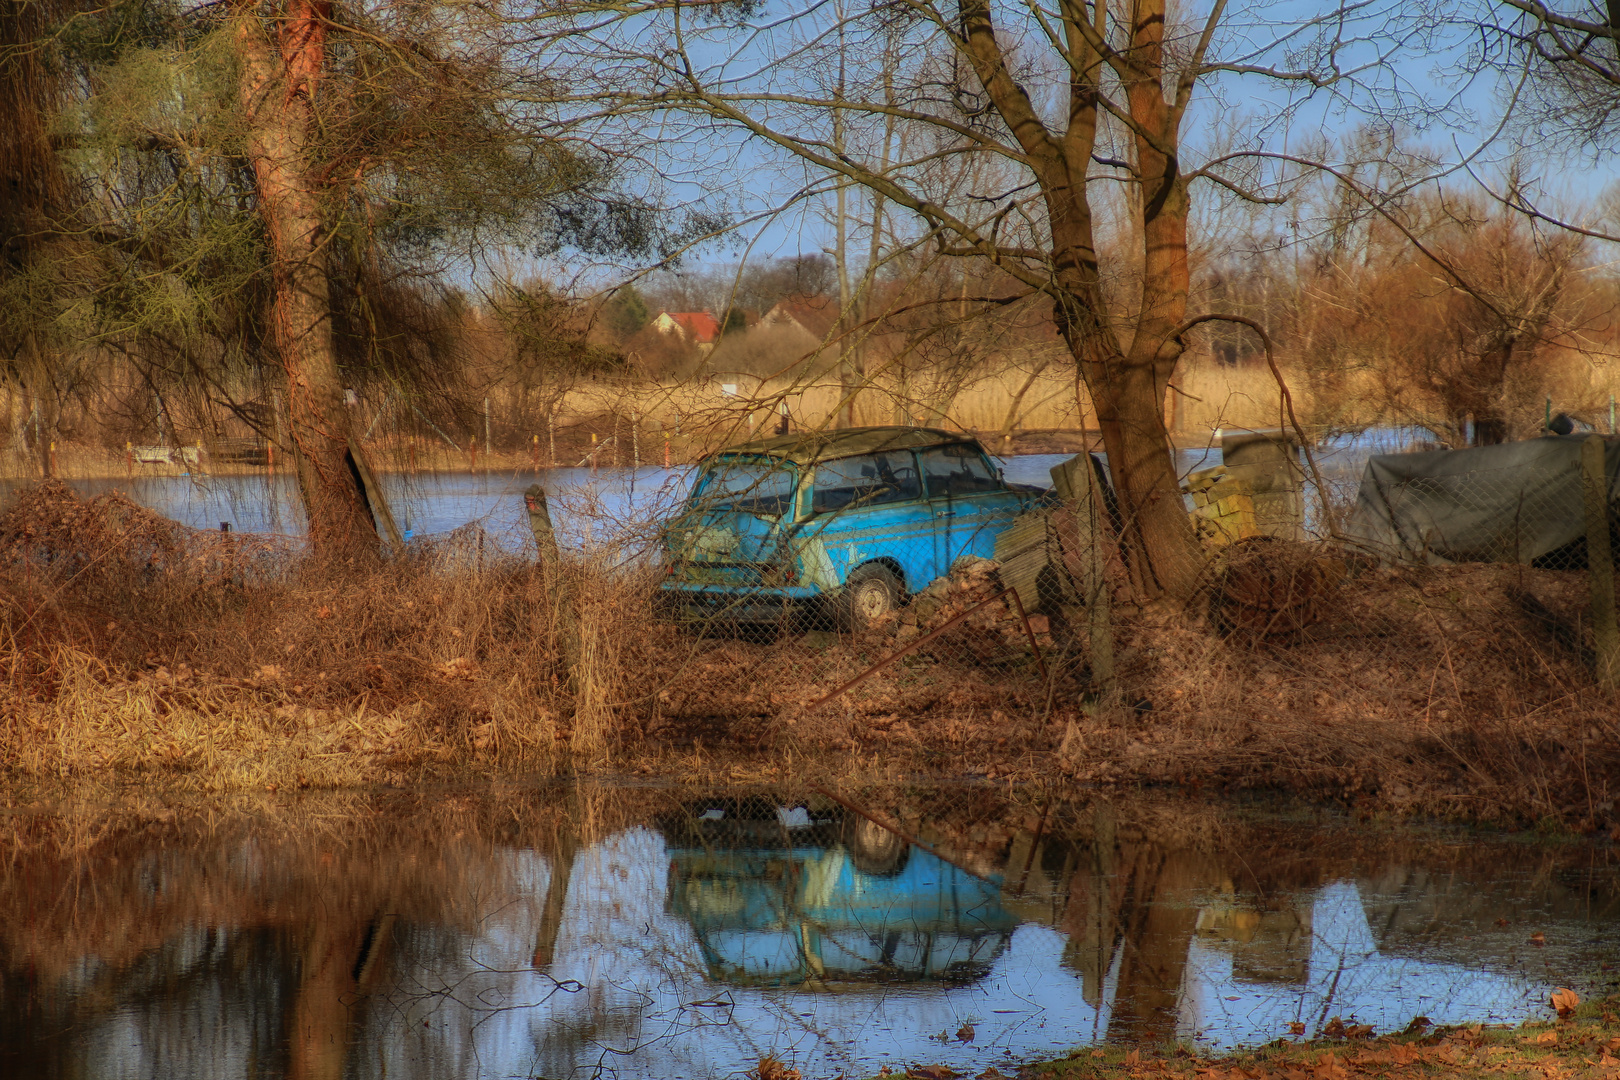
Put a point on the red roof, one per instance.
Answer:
(700, 326)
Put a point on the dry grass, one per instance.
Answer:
(134, 648)
(1586, 1044)
(131, 644)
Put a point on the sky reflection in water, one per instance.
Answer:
(628, 936)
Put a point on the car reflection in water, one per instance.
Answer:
(781, 896)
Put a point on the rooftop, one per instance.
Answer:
(804, 447)
(700, 325)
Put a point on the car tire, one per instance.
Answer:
(870, 593)
(873, 849)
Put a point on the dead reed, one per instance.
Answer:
(134, 645)
(136, 649)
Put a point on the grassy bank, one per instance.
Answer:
(1584, 1044)
(134, 649)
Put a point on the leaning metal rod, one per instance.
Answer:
(1029, 632)
(892, 657)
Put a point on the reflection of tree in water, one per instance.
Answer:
(401, 934)
(268, 941)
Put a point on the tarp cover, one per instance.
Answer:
(1516, 502)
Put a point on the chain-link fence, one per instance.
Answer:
(909, 544)
(899, 597)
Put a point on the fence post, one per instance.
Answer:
(1077, 484)
(1600, 563)
(557, 585)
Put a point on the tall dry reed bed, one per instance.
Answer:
(131, 647)
(132, 644)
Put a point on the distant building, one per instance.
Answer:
(815, 315)
(698, 327)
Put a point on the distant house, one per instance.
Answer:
(815, 315)
(698, 327)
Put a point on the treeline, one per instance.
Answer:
(241, 218)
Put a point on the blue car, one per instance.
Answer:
(848, 523)
(802, 899)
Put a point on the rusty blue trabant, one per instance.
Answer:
(843, 523)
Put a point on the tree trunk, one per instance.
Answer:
(278, 102)
(1158, 539)
(1126, 385)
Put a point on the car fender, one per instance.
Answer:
(816, 566)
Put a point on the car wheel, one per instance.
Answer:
(873, 849)
(869, 594)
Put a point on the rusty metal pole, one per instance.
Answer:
(1600, 564)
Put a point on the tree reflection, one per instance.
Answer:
(558, 931)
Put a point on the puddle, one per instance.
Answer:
(647, 932)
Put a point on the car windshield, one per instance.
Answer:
(750, 485)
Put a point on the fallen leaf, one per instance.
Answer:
(1330, 1068)
(932, 1072)
(1334, 1029)
(1501, 922)
(1296, 1028)
(1546, 1038)
(1418, 1024)
(1538, 938)
(1564, 1000)
(1098, 1053)
(1359, 1031)
(772, 1069)
(965, 1033)
(1133, 1058)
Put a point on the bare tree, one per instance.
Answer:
(1075, 98)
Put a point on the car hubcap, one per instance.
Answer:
(871, 601)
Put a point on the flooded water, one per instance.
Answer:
(612, 507)
(650, 932)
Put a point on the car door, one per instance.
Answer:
(872, 507)
(971, 505)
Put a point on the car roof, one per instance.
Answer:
(804, 447)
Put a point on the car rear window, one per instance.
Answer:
(749, 485)
(868, 480)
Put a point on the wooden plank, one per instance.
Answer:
(1023, 552)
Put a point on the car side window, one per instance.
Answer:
(959, 469)
(868, 480)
